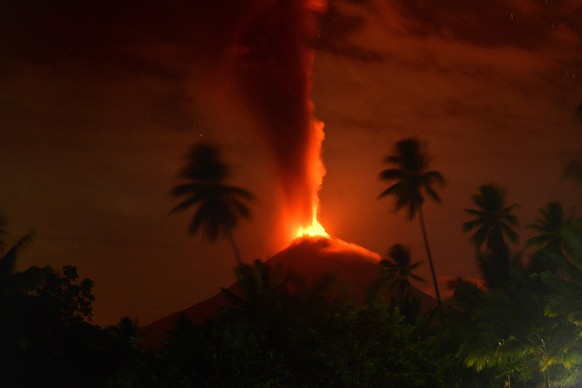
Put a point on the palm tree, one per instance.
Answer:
(412, 181)
(549, 226)
(493, 218)
(12, 281)
(399, 267)
(467, 296)
(218, 204)
(127, 330)
(262, 287)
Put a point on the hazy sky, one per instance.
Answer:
(101, 99)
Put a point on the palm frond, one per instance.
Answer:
(509, 232)
(470, 225)
(241, 209)
(480, 236)
(391, 190)
(198, 219)
(432, 193)
(435, 177)
(392, 174)
(186, 204)
(507, 217)
(186, 189)
(475, 213)
(538, 240)
(8, 260)
(414, 265)
(417, 278)
(204, 164)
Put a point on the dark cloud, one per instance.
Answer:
(490, 23)
(337, 26)
(100, 32)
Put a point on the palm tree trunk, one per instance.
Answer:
(234, 248)
(432, 271)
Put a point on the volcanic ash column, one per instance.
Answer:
(273, 68)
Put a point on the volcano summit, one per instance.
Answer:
(352, 268)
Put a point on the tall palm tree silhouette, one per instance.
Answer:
(218, 205)
(399, 267)
(412, 181)
(493, 219)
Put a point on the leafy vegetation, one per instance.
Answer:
(520, 326)
(412, 182)
(218, 205)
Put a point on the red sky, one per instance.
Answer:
(100, 102)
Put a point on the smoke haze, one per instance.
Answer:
(272, 58)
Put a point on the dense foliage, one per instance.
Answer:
(526, 332)
(520, 326)
(304, 339)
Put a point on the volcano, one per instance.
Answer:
(352, 268)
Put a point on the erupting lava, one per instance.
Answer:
(273, 64)
(273, 59)
(313, 230)
(314, 178)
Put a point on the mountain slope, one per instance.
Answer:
(352, 267)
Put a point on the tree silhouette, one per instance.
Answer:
(412, 181)
(493, 218)
(399, 268)
(12, 281)
(549, 226)
(515, 332)
(548, 240)
(454, 325)
(219, 206)
(458, 310)
(262, 287)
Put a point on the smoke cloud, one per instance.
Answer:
(272, 59)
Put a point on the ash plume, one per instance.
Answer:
(272, 65)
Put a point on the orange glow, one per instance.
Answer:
(303, 178)
(313, 230)
(315, 174)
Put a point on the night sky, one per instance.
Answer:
(102, 99)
